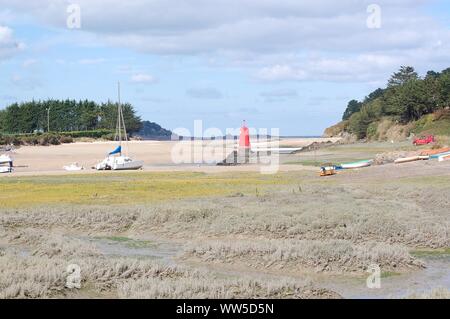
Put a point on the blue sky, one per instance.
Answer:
(285, 64)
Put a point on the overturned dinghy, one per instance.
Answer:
(74, 167)
(410, 159)
(358, 164)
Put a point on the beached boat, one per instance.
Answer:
(73, 167)
(358, 164)
(407, 159)
(436, 151)
(115, 159)
(444, 158)
(6, 164)
(437, 156)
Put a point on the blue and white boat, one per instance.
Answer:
(117, 159)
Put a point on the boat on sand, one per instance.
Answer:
(117, 160)
(74, 167)
(436, 151)
(444, 158)
(359, 164)
(410, 159)
(439, 155)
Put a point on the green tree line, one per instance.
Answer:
(407, 97)
(65, 116)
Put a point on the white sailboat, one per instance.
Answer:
(116, 160)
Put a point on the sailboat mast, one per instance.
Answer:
(119, 114)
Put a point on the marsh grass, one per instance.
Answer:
(387, 274)
(438, 293)
(325, 255)
(288, 221)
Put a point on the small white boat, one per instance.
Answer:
(406, 159)
(359, 164)
(6, 164)
(115, 160)
(443, 158)
(74, 167)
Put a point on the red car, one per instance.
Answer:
(424, 140)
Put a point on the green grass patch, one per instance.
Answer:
(427, 125)
(430, 252)
(387, 274)
(129, 242)
(129, 188)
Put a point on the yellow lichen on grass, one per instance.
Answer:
(126, 188)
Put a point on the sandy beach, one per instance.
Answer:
(157, 155)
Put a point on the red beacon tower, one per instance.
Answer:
(244, 139)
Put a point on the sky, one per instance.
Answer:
(286, 64)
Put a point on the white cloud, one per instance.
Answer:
(8, 45)
(91, 61)
(364, 67)
(278, 95)
(204, 93)
(29, 62)
(314, 33)
(142, 78)
(28, 83)
(281, 73)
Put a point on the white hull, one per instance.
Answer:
(356, 165)
(5, 159)
(73, 168)
(119, 163)
(407, 159)
(128, 166)
(5, 169)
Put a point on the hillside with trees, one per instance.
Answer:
(55, 121)
(151, 130)
(65, 116)
(408, 105)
